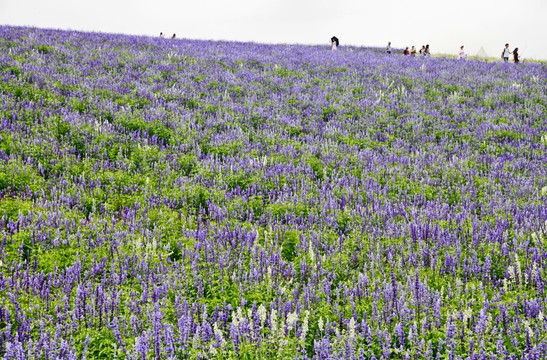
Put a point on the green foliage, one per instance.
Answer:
(290, 240)
(62, 256)
(188, 164)
(198, 199)
(148, 128)
(79, 106)
(328, 113)
(17, 176)
(256, 204)
(317, 166)
(278, 210)
(241, 180)
(44, 49)
(102, 344)
(11, 208)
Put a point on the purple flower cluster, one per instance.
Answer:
(167, 199)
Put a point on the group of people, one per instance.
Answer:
(424, 51)
(506, 53)
(162, 35)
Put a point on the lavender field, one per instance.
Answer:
(175, 199)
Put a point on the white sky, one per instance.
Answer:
(444, 24)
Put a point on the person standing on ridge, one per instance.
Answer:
(334, 43)
(426, 51)
(506, 52)
(422, 51)
(388, 48)
(174, 36)
(413, 51)
(406, 52)
(462, 55)
(516, 55)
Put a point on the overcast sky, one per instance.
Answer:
(444, 24)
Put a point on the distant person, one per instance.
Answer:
(516, 55)
(426, 51)
(162, 35)
(506, 52)
(334, 43)
(462, 55)
(422, 51)
(407, 52)
(174, 36)
(388, 48)
(413, 51)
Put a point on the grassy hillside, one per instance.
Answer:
(178, 199)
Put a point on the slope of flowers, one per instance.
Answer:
(166, 199)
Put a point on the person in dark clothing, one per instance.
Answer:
(516, 55)
(407, 52)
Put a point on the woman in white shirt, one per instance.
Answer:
(462, 55)
(334, 43)
(506, 53)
